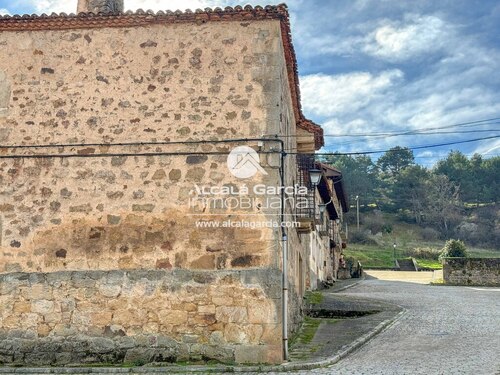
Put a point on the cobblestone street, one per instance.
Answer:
(447, 330)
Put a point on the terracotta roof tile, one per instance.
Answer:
(140, 17)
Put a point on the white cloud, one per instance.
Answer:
(489, 148)
(389, 40)
(426, 154)
(416, 35)
(333, 45)
(57, 6)
(325, 95)
(369, 103)
(170, 5)
(4, 11)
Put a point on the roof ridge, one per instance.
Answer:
(140, 11)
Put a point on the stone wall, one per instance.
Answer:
(79, 228)
(472, 271)
(139, 317)
(165, 81)
(119, 213)
(177, 82)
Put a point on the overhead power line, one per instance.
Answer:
(187, 153)
(364, 135)
(409, 147)
(445, 155)
(421, 131)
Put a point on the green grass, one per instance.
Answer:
(483, 253)
(308, 329)
(429, 263)
(314, 298)
(376, 256)
(407, 238)
(331, 320)
(306, 332)
(371, 256)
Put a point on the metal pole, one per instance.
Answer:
(284, 280)
(394, 252)
(285, 297)
(357, 211)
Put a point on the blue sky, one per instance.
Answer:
(382, 66)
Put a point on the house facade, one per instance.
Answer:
(149, 187)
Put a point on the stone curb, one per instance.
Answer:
(215, 369)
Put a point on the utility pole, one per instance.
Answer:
(357, 211)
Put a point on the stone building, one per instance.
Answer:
(124, 236)
(321, 221)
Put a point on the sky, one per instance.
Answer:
(373, 68)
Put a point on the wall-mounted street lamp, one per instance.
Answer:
(315, 176)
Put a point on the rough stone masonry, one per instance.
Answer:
(472, 271)
(137, 316)
(100, 260)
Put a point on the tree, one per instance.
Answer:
(395, 160)
(478, 178)
(454, 249)
(491, 179)
(359, 175)
(409, 191)
(477, 185)
(456, 167)
(444, 205)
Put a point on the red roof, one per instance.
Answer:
(141, 18)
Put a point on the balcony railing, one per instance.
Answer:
(324, 225)
(305, 204)
(335, 237)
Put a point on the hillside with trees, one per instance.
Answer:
(457, 198)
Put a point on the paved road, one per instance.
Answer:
(447, 330)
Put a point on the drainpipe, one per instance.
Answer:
(284, 281)
(285, 295)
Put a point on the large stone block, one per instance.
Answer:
(173, 317)
(257, 354)
(22, 307)
(42, 306)
(231, 314)
(260, 312)
(235, 334)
